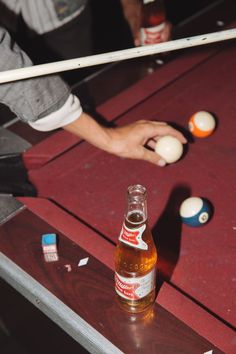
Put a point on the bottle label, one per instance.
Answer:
(133, 237)
(151, 35)
(135, 288)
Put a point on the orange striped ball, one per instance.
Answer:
(202, 124)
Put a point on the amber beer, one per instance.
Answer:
(135, 256)
(153, 18)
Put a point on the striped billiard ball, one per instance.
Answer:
(202, 124)
(195, 211)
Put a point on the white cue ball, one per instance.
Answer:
(169, 148)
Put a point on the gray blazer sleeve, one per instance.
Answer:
(29, 99)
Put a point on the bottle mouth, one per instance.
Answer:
(137, 192)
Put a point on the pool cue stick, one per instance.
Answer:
(72, 64)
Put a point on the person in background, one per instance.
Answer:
(55, 30)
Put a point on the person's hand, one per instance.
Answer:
(138, 140)
(132, 13)
(134, 141)
(166, 33)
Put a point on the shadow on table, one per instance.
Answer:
(28, 330)
(167, 233)
(14, 176)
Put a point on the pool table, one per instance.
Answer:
(81, 197)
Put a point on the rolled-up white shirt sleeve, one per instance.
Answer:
(68, 113)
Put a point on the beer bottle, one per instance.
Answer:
(135, 256)
(153, 18)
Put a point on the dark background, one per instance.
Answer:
(109, 27)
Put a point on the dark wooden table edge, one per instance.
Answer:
(55, 309)
(9, 207)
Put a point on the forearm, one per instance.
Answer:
(132, 14)
(88, 129)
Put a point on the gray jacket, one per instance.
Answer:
(30, 99)
(41, 16)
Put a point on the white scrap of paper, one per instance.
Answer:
(83, 262)
(68, 267)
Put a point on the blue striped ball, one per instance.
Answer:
(195, 211)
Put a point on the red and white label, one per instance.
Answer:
(51, 257)
(151, 35)
(133, 237)
(135, 288)
(49, 248)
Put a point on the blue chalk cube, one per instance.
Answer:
(49, 247)
(49, 239)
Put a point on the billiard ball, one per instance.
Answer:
(195, 211)
(169, 148)
(201, 124)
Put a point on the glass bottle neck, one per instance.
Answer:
(136, 212)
